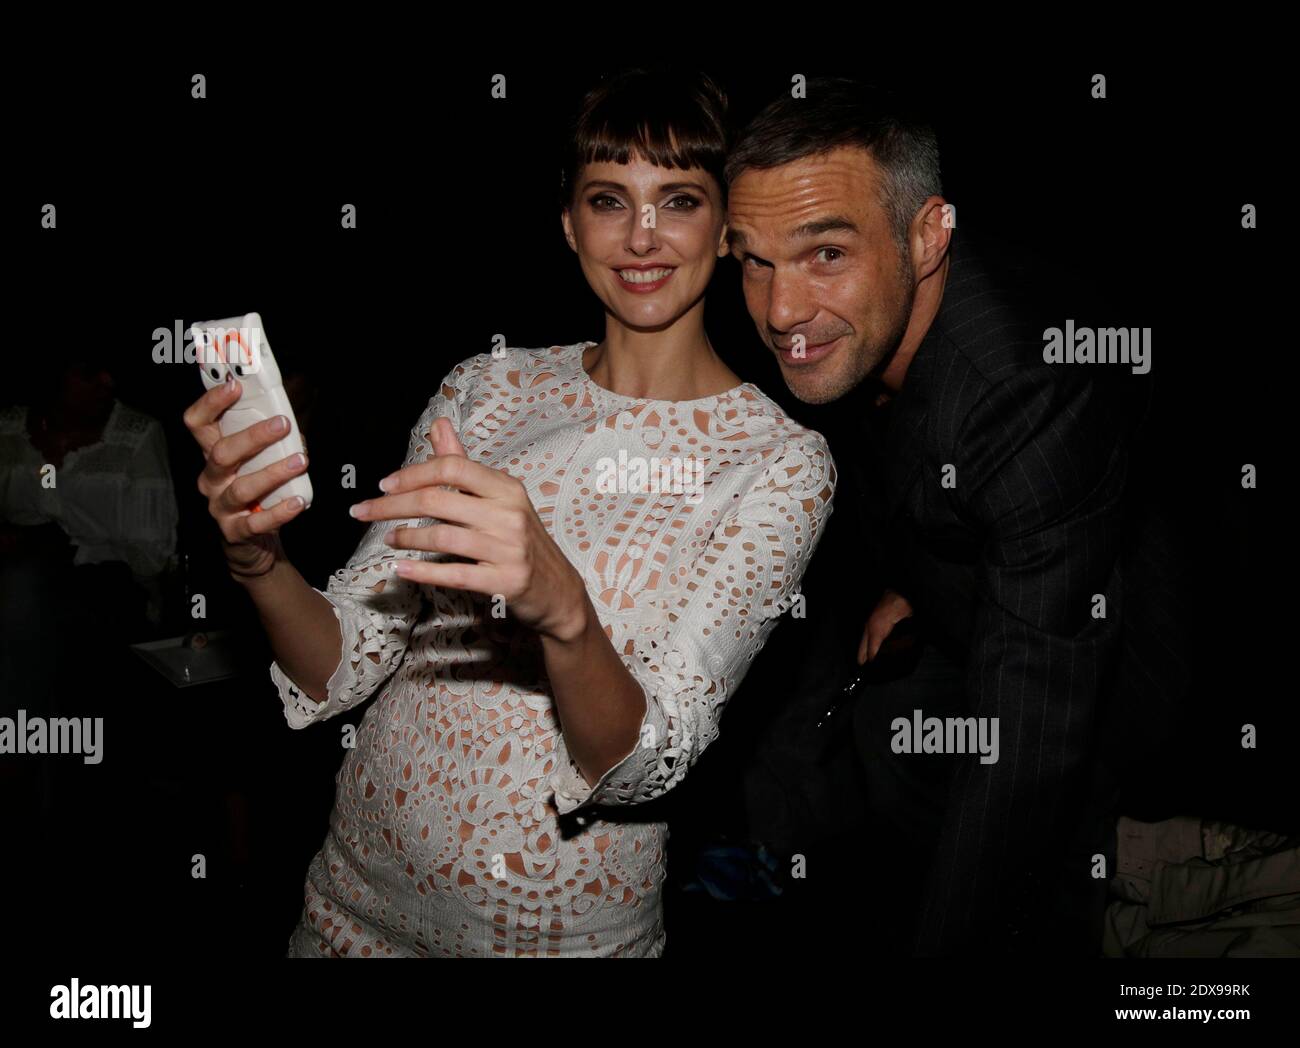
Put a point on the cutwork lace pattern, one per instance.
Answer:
(461, 827)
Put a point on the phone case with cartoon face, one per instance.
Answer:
(238, 346)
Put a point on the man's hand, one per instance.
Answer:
(891, 609)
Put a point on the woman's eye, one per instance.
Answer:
(832, 250)
(687, 203)
(604, 202)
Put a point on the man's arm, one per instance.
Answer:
(1041, 472)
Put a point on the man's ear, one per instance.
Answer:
(724, 249)
(932, 232)
(567, 223)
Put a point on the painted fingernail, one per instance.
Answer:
(279, 424)
(295, 502)
(387, 484)
(297, 461)
(402, 567)
(358, 509)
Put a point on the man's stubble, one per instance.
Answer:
(865, 357)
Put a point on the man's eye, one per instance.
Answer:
(832, 250)
(753, 263)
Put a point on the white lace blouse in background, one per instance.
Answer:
(114, 498)
(444, 837)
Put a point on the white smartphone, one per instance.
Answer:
(238, 346)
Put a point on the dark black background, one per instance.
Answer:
(171, 208)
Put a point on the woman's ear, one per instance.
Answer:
(567, 223)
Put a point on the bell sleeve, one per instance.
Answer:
(374, 606)
(701, 634)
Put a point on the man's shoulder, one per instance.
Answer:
(990, 322)
(985, 352)
(131, 427)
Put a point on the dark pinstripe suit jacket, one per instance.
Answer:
(1003, 567)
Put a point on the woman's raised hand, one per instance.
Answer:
(488, 519)
(250, 536)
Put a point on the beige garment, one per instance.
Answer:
(1189, 887)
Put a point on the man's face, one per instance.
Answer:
(819, 259)
(86, 389)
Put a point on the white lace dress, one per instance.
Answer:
(460, 826)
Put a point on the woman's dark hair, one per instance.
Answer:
(841, 112)
(672, 118)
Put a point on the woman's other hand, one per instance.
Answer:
(485, 516)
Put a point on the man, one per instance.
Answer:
(999, 528)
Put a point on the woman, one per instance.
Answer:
(602, 539)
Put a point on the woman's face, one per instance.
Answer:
(647, 237)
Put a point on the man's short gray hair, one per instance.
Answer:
(837, 112)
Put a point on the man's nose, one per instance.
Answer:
(788, 303)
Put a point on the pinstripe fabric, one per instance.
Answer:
(1002, 569)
